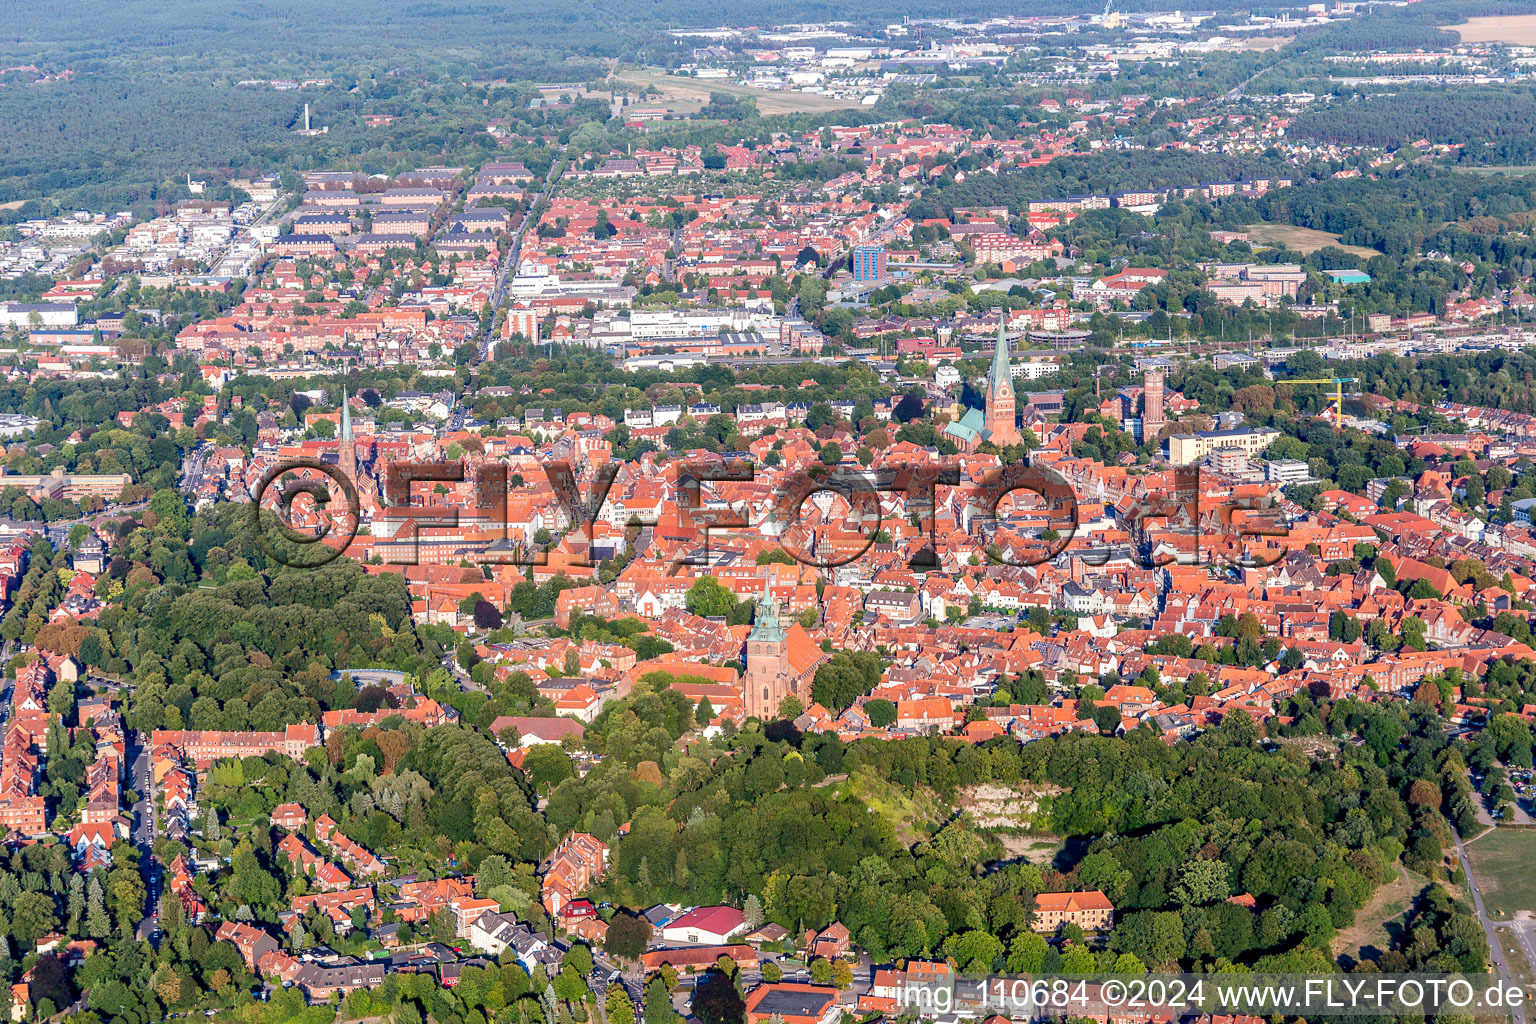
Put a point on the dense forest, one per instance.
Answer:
(254, 651)
(1492, 124)
(357, 28)
(66, 135)
(1104, 172)
(1393, 213)
(1308, 839)
(1412, 26)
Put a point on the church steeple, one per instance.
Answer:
(1000, 427)
(765, 622)
(1001, 367)
(346, 448)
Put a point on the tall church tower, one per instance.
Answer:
(346, 452)
(767, 680)
(1001, 428)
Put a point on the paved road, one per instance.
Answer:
(142, 782)
(1236, 92)
(244, 235)
(57, 532)
(6, 685)
(193, 467)
(514, 252)
(1525, 934)
(1494, 950)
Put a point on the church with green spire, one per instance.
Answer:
(346, 446)
(767, 680)
(997, 422)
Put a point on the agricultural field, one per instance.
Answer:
(1515, 29)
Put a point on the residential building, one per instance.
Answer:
(793, 1003)
(1089, 910)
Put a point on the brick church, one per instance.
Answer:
(997, 422)
(780, 662)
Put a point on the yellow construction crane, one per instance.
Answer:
(1338, 393)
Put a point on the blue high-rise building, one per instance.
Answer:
(869, 263)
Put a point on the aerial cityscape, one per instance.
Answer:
(767, 513)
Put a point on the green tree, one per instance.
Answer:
(578, 957)
(1026, 953)
(32, 917)
(627, 936)
(716, 1001)
(658, 1002)
(845, 677)
(974, 951)
(1128, 963)
(170, 510)
(547, 765)
(881, 712)
(707, 597)
(617, 1006)
(1077, 959)
(97, 924)
(1202, 882)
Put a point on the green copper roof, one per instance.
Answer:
(1000, 372)
(765, 622)
(346, 417)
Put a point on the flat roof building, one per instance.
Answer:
(1186, 449)
(793, 1003)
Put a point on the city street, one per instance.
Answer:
(141, 781)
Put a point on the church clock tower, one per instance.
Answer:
(767, 681)
(1001, 428)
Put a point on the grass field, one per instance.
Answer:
(1514, 956)
(1303, 240)
(1517, 29)
(1386, 905)
(1501, 860)
(1035, 847)
(688, 95)
(911, 815)
(1509, 169)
